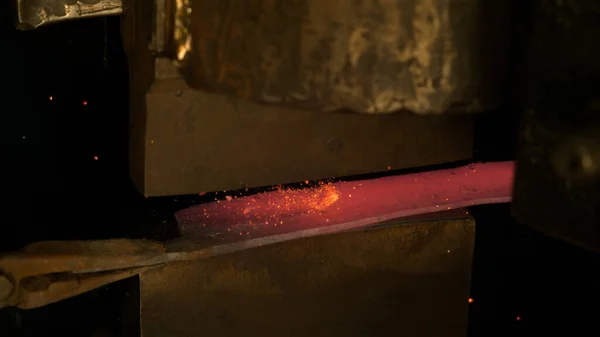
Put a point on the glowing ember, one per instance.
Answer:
(308, 200)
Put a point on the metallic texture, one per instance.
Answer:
(410, 279)
(182, 37)
(367, 56)
(557, 180)
(185, 141)
(200, 142)
(35, 13)
(47, 272)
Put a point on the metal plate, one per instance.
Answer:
(36, 13)
(409, 280)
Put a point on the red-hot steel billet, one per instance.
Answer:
(343, 206)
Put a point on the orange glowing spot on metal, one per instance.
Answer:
(84, 103)
(349, 195)
(446, 199)
(448, 251)
(95, 157)
(306, 182)
(50, 98)
(470, 300)
(389, 167)
(448, 207)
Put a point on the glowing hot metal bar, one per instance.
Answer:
(287, 214)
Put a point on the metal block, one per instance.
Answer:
(374, 57)
(185, 141)
(407, 278)
(196, 141)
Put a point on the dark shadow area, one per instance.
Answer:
(525, 283)
(106, 312)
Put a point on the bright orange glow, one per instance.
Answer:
(84, 103)
(50, 98)
(95, 157)
(470, 300)
(310, 200)
(290, 201)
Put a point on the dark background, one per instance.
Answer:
(64, 170)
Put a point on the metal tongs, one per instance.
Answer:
(48, 272)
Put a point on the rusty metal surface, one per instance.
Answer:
(368, 56)
(410, 279)
(198, 142)
(47, 272)
(36, 13)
